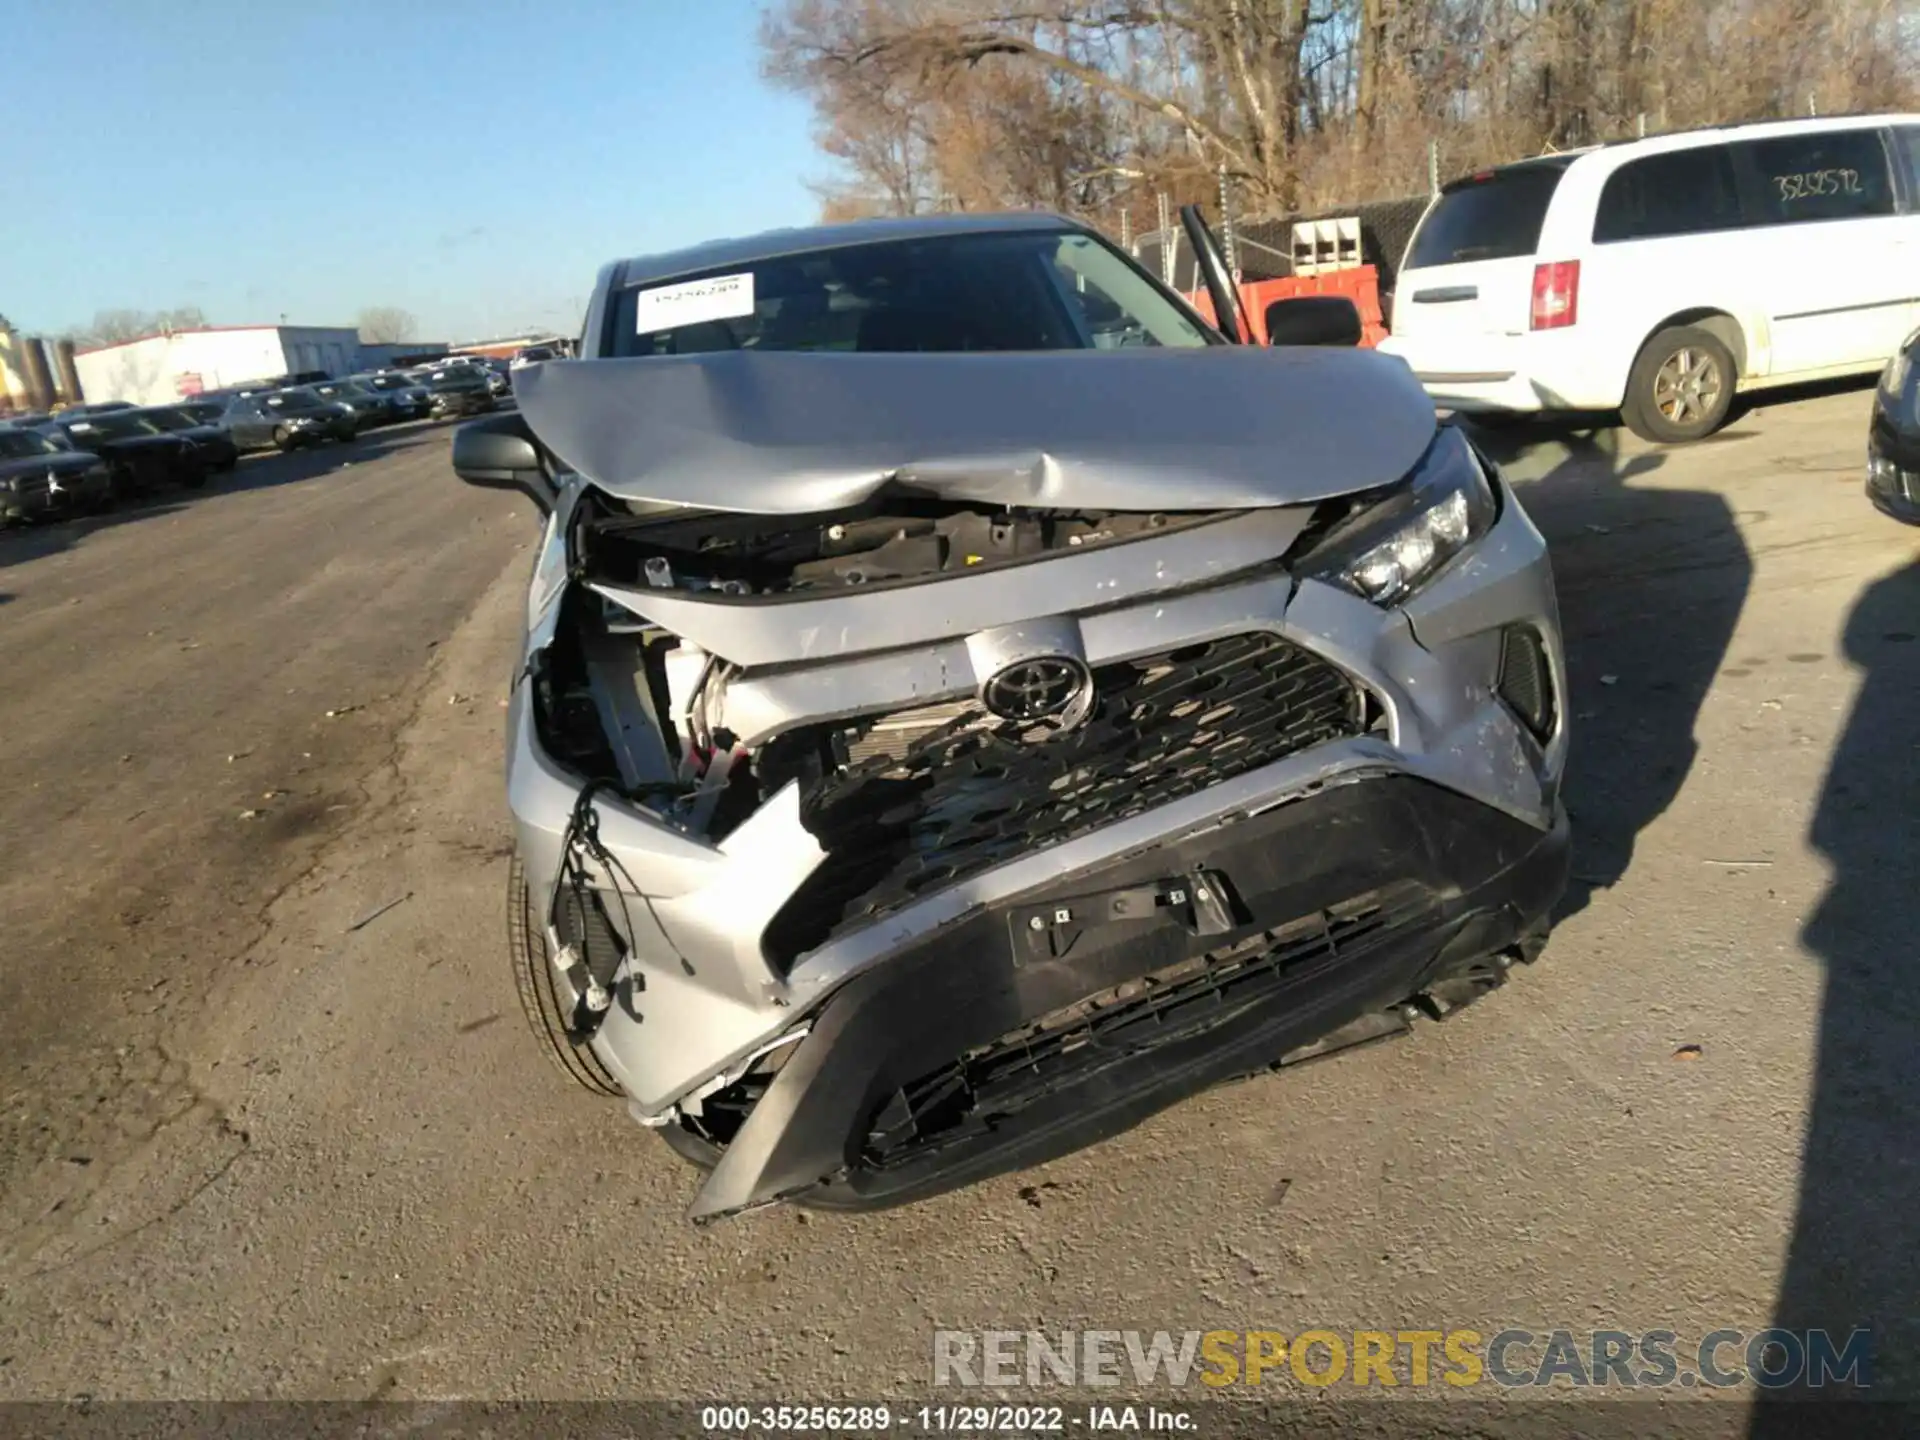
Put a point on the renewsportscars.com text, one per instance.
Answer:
(1457, 1358)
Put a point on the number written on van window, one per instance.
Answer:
(1808, 184)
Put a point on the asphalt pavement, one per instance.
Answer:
(271, 1125)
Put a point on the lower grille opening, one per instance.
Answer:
(1525, 682)
(970, 1095)
(959, 794)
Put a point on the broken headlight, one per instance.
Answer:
(1391, 548)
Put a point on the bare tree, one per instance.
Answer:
(386, 325)
(1085, 105)
(115, 327)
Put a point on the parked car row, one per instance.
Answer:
(86, 456)
(85, 459)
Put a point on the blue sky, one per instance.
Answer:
(472, 161)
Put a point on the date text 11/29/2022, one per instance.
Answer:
(938, 1419)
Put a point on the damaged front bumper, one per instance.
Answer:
(880, 981)
(1035, 1027)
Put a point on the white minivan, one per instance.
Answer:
(1659, 276)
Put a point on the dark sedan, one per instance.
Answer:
(141, 456)
(39, 480)
(409, 397)
(216, 446)
(286, 419)
(1893, 436)
(204, 410)
(369, 407)
(459, 390)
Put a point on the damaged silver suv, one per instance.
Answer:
(970, 704)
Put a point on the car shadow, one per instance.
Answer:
(262, 470)
(1651, 581)
(1854, 1257)
(1750, 401)
(20, 544)
(258, 470)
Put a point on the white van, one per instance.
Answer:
(1658, 276)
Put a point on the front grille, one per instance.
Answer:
(971, 793)
(1525, 682)
(970, 1096)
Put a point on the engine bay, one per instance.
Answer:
(895, 538)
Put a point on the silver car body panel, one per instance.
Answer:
(694, 911)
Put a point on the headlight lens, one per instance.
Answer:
(1392, 548)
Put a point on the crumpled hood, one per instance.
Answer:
(784, 433)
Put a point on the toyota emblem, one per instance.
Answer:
(1051, 688)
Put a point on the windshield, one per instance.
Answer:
(341, 390)
(24, 444)
(387, 382)
(1040, 290)
(294, 400)
(1495, 215)
(113, 425)
(458, 375)
(168, 420)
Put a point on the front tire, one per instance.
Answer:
(283, 440)
(540, 1000)
(1680, 388)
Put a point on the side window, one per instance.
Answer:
(1683, 192)
(1831, 175)
(1908, 138)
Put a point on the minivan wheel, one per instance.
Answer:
(1680, 388)
(540, 1000)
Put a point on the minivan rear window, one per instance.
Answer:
(1496, 215)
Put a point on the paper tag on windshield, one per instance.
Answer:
(693, 302)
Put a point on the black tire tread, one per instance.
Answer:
(533, 982)
(1638, 410)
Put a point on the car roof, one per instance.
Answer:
(745, 250)
(1618, 151)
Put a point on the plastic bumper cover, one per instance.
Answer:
(1337, 905)
(1545, 370)
(1893, 467)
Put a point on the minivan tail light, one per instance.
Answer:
(1556, 294)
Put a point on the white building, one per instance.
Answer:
(162, 368)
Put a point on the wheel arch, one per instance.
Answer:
(1723, 325)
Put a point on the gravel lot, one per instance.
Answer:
(247, 1149)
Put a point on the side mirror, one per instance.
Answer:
(498, 453)
(1313, 320)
